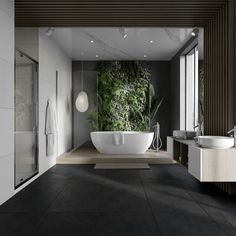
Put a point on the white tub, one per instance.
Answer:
(134, 142)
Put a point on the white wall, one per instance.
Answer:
(51, 58)
(64, 110)
(6, 99)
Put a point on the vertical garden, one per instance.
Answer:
(125, 99)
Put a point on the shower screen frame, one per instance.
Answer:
(36, 118)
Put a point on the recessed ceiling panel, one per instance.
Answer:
(109, 43)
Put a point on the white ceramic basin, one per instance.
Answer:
(215, 142)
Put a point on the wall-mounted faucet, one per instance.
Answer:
(234, 135)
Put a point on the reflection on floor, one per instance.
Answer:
(76, 200)
(92, 156)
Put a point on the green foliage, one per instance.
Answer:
(201, 95)
(125, 97)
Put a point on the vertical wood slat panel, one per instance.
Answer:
(218, 114)
(233, 57)
(221, 81)
(228, 23)
(219, 55)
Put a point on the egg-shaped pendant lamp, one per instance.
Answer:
(82, 102)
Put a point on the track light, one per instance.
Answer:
(195, 32)
(123, 32)
(49, 31)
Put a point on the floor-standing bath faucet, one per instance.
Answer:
(233, 130)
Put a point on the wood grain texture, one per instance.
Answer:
(116, 12)
(212, 165)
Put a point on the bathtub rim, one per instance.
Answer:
(125, 132)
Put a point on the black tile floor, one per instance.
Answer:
(78, 200)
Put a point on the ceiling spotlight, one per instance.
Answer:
(151, 41)
(195, 32)
(123, 32)
(145, 55)
(49, 31)
(91, 41)
(97, 55)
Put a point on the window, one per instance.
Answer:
(189, 90)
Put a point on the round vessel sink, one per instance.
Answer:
(215, 142)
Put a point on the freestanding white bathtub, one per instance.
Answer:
(133, 142)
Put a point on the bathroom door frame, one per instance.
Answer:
(36, 110)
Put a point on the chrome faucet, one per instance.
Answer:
(199, 131)
(234, 135)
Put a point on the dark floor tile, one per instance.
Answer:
(186, 222)
(89, 175)
(209, 195)
(127, 224)
(101, 194)
(69, 170)
(122, 174)
(54, 176)
(192, 184)
(79, 200)
(166, 196)
(91, 224)
(225, 219)
(112, 173)
(67, 224)
(102, 177)
(156, 172)
(18, 224)
(177, 171)
(35, 198)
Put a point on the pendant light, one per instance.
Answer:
(82, 103)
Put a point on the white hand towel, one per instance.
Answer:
(118, 138)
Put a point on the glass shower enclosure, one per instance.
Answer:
(26, 118)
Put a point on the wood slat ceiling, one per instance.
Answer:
(116, 12)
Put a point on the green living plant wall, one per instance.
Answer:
(126, 98)
(201, 96)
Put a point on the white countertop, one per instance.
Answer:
(192, 143)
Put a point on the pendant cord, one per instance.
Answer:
(82, 82)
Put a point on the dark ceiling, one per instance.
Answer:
(116, 12)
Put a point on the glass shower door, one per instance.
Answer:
(26, 121)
